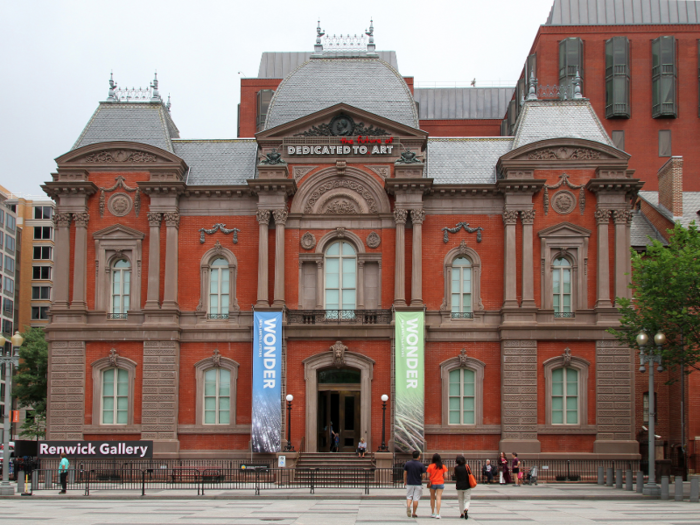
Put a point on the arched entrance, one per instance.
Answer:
(333, 393)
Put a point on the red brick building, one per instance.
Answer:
(505, 216)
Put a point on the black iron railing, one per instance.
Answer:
(462, 315)
(217, 316)
(117, 316)
(564, 315)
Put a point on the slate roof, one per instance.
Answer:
(623, 12)
(465, 160)
(462, 103)
(641, 230)
(548, 119)
(691, 206)
(366, 83)
(145, 122)
(218, 162)
(280, 64)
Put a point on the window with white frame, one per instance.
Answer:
(561, 287)
(121, 284)
(217, 396)
(115, 396)
(462, 406)
(565, 396)
(461, 288)
(340, 279)
(41, 292)
(219, 289)
(40, 313)
(42, 253)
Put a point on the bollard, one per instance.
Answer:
(694, 489)
(640, 482)
(679, 488)
(48, 479)
(35, 480)
(601, 476)
(618, 478)
(20, 481)
(628, 480)
(664, 487)
(609, 477)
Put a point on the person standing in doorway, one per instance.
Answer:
(516, 469)
(413, 474)
(464, 494)
(436, 474)
(63, 472)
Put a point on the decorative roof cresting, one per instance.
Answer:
(149, 94)
(355, 44)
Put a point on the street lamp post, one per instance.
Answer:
(651, 358)
(9, 360)
(384, 448)
(289, 447)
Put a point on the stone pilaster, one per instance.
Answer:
(172, 223)
(623, 219)
(603, 276)
(153, 293)
(79, 301)
(417, 217)
(263, 217)
(360, 285)
(528, 218)
(62, 260)
(510, 219)
(319, 284)
(66, 389)
(159, 408)
(280, 221)
(400, 270)
(519, 396)
(614, 399)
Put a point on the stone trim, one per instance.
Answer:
(579, 364)
(66, 387)
(337, 235)
(214, 253)
(519, 390)
(200, 368)
(326, 360)
(614, 391)
(469, 363)
(99, 366)
(159, 401)
(463, 429)
(462, 250)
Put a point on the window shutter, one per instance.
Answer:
(663, 77)
(617, 78)
(570, 62)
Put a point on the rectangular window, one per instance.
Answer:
(570, 65)
(8, 307)
(40, 313)
(41, 292)
(263, 104)
(9, 285)
(43, 212)
(2, 238)
(42, 253)
(2, 217)
(9, 264)
(564, 396)
(42, 233)
(11, 223)
(663, 77)
(618, 138)
(9, 243)
(664, 143)
(462, 393)
(217, 396)
(115, 396)
(7, 327)
(41, 272)
(617, 77)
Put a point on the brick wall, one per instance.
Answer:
(671, 186)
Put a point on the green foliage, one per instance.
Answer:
(30, 381)
(33, 426)
(666, 297)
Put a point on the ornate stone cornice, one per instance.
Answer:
(172, 219)
(154, 218)
(527, 216)
(510, 217)
(55, 189)
(418, 216)
(62, 220)
(81, 219)
(280, 216)
(602, 216)
(263, 216)
(400, 216)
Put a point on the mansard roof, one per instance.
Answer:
(279, 64)
(218, 162)
(462, 103)
(619, 12)
(470, 160)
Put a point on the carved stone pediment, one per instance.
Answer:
(118, 232)
(564, 230)
(566, 153)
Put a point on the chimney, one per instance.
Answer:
(671, 186)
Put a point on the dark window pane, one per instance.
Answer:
(342, 375)
(665, 143)
(618, 138)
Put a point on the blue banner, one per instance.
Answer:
(267, 382)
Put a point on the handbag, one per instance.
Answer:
(472, 479)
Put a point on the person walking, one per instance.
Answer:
(413, 474)
(436, 474)
(487, 472)
(335, 441)
(464, 495)
(505, 471)
(517, 475)
(63, 472)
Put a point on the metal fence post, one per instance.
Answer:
(87, 482)
(628, 480)
(640, 482)
(601, 476)
(366, 481)
(618, 478)
(679, 488)
(48, 479)
(609, 477)
(20, 481)
(257, 482)
(143, 482)
(694, 489)
(35, 480)
(664, 487)
(311, 479)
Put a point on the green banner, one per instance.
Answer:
(409, 416)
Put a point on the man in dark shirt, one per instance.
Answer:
(413, 473)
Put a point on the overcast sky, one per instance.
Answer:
(56, 57)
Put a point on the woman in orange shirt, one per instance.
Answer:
(436, 475)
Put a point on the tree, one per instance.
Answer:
(666, 297)
(31, 380)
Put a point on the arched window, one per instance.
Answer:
(565, 396)
(341, 281)
(462, 404)
(121, 288)
(115, 396)
(561, 288)
(217, 396)
(461, 288)
(219, 289)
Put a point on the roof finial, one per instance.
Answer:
(154, 85)
(318, 48)
(577, 86)
(370, 47)
(532, 87)
(167, 106)
(112, 86)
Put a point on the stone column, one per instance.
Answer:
(172, 222)
(417, 216)
(510, 219)
(602, 218)
(622, 253)
(153, 294)
(528, 218)
(263, 217)
(280, 221)
(400, 269)
(80, 261)
(360, 285)
(319, 284)
(62, 266)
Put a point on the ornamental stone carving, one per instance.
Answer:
(280, 216)
(566, 356)
(510, 217)
(120, 155)
(263, 216)
(338, 350)
(463, 358)
(172, 219)
(340, 166)
(417, 216)
(308, 241)
(113, 358)
(341, 207)
(300, 171)
(373, 240)
(602, 216)
(564, 153)
(382, 171)
(216, 358)
(400, 216)
(563, 202)
(341, 183)
(81, 219)
(154, 218)
(527, 216)
(119, 204)
(622, 216)
(62, 220)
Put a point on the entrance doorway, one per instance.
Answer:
(339, 404)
